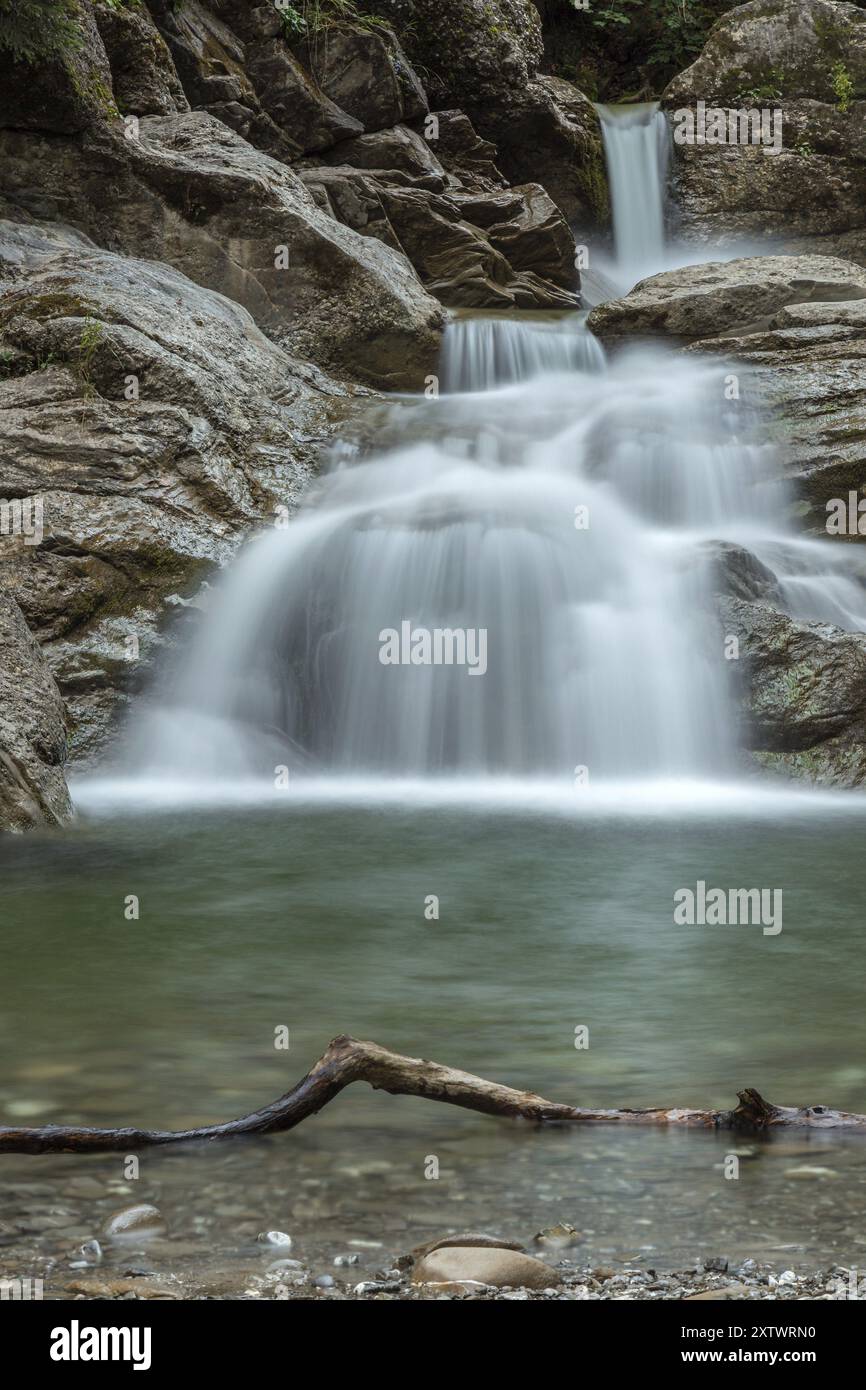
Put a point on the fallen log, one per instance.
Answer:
(347, 1060)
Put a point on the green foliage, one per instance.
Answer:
(626, 47)
(35, 31)
(759, 95)
(310, 17)
(293, 22)
(843, 86)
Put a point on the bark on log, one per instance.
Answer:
(347, 1060)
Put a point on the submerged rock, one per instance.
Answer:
(138, 1222)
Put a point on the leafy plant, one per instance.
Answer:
(759, 95)
(306, 17)
(35, 31)
(613, 47)
(293, 22)
(843, 86)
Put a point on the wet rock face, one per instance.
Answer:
(191, 192)
(156, 424)
(366, 73)
(32, 727)
(143, 75)
(63, 96)
(798, 326)
(789, 46)
(806, 59)
(803, 694)
(724, 297)
(473, 50)
(499, 249)
(549, 133)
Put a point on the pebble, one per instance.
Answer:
(561, 1237)
(374, 1286)
(28, 1109)
(275, 1238)
(808, 1170)
(324, 1281)
(713, 1295)
(135, 1222)
(84, 1187)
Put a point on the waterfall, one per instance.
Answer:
(522, 585)
(565, 517)
(637, 151)
(481, 352)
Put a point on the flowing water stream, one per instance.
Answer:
(288, 803)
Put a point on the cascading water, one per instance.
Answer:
(566, 517)
(637, 151)
(551, 524)
(481, 353)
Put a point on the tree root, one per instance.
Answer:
(347, 1060)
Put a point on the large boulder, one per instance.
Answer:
(802, 688)
(806, 59)
(787, 47)
(505, 249)
(365, 72)
(143, 76)
(722, 297)
(470, 51)
(549, 133)
(190, 191)
(33, 788)
(157, 425)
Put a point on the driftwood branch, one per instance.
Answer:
(347, 1060)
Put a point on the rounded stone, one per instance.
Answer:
(135, 1222)
(473, 1265)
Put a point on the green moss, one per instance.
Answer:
(93, 92)
(592, 182)
(57, 305)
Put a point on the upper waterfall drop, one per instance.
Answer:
(483, 351)
(637, 147)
